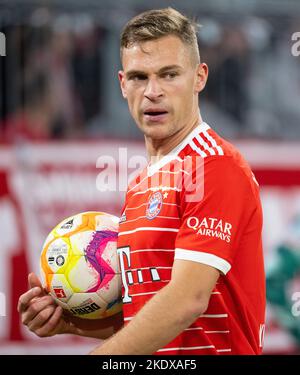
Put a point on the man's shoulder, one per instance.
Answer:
(207, 142)
(213, 149)
(217, 158)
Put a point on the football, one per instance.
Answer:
(79, 265)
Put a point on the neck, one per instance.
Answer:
(158, 148)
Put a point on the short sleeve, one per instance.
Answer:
(213, 226)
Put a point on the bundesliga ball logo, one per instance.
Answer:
(79, 265)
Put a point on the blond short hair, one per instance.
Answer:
(157, 23)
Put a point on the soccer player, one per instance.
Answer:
(190, 232)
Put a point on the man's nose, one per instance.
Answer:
(153, 89)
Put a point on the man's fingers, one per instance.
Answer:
(25, 298)
(48, 328)
(41, 318)
(36, 307)
(36, 289)
(33, 281)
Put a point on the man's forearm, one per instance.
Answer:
(99, 329)
(102, 333)
(157, 323)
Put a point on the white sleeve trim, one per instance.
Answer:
(205, 258)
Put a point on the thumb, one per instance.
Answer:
(34, 281)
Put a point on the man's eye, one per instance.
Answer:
(137, 77)
(170, 75)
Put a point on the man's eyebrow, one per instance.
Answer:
(169, 67)
(132, 73)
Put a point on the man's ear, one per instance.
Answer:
(121, 76)
(201, 78)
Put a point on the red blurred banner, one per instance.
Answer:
(41, 184)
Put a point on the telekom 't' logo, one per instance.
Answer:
(125, 251)
(127, 274)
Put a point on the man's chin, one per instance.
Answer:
(156, 131)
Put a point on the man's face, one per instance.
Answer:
(161, 83)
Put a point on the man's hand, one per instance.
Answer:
(40, 313)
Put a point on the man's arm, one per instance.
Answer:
(174, 308)
(98, 328)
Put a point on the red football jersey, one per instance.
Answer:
(199, 203)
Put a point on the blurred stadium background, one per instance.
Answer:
(61, 109)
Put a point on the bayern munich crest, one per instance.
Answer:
(154, 205)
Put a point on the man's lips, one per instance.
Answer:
(155, 114)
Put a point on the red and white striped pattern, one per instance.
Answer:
(205, 145)
(154, 242)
